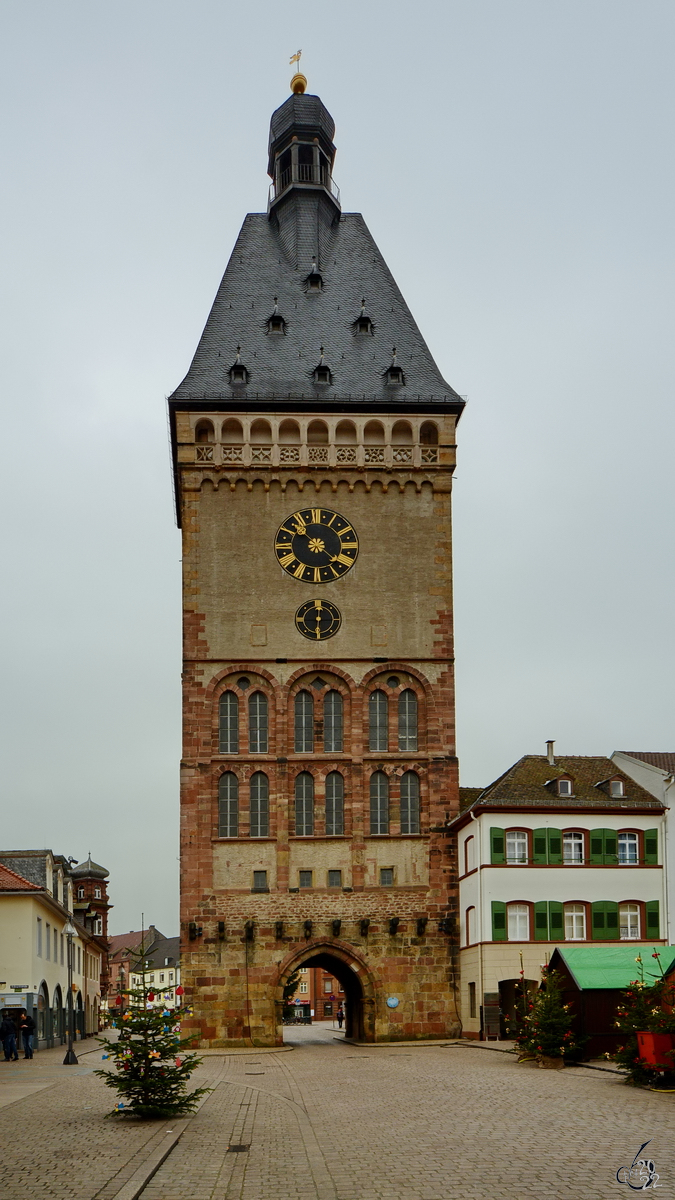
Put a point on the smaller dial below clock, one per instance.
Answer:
(318, 620)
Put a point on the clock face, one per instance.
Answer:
(316, 545)
(318, 620)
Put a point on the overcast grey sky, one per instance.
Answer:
(513, 159)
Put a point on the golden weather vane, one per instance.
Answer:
(298, 82)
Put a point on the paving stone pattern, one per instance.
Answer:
(340, 1122)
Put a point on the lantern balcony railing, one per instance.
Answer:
(303, 173)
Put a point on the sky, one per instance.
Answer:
(513, 160)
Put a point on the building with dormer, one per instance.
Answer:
(558, 849)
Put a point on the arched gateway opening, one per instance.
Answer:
(353, 975)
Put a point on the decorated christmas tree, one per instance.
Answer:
(647, 1005)
(550, 1021)
(151, 1073)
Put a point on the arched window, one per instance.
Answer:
(410, 803)
(228, 724)
(228, 805)
(260, 807)
(257, 723)
(335, 803)
(470, 926)
(378, 721)
(379, 803)
(304, 723)
(407, 720)
(332, 723)
(304, 805)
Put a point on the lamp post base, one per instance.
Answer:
(70, 1059)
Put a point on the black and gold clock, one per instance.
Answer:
(316, 545)
(318, 620)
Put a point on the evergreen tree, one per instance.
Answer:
(151, 1075)
(645, 1007)
(550, 1021)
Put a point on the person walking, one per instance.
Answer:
(27, 1030)
(340, 1016)
(8, 1038)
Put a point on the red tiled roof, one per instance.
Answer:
(666, 762)
(11, 882)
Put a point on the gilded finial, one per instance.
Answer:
(298, 82)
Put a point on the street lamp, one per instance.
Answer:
(70, 932)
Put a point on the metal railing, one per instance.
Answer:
(305, 173)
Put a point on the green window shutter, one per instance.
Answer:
(651, 847)
(598, 927)
(539, 847)
(541, 921)
(597, 854)
(611, 919)
(498, 921)
(554, 846)
(611, 852)
(497, 845)
(555, 920)
(653, 923)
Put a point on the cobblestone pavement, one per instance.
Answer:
(339, 1122)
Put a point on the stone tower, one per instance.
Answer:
(314, 444)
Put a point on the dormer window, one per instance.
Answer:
(363, 324)
(616, 788)
(314, 280)
(238, 372)
(394, 373)
(275, 322)
(322, 373)
(564, 787)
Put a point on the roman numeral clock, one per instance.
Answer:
(314, 444)
(317, 545)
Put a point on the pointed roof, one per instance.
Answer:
(272, 258)
(89, 869)
(10, 881)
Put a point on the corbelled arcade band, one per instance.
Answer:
(314, 445)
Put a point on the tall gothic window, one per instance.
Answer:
(228, 724)
(378, 721)
(304, 805)
(379, 803)
(260, 806)
(407, 720)
(228, 805)
(304, 723)
(332, 723)
(410, 803)
(335, 803)
(257, 723)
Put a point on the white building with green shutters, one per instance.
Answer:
(557, 850)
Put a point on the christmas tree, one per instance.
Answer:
(550, 1021)
(647, 1005)
(151, 1074)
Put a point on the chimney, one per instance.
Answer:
(549, 752)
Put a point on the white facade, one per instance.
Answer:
(510, 909)
(661, 783)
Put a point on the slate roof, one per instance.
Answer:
(665, 762)
(89, 868)
(529, 784)
(162, 949)
(31, 864)
(273, 257)
(10, 881)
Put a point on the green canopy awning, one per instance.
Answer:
(614, 967)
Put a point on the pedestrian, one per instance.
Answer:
(340, 1016)
(27, 1025)
(8, 1038)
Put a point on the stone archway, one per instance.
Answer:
(352, 972)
